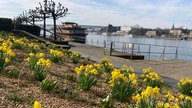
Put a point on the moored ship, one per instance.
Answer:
(72, 32)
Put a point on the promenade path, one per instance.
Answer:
(171, 70)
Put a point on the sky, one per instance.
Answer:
(145, 13)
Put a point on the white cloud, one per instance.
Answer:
(147, 13)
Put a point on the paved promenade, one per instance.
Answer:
(171, 70)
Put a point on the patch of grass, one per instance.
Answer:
(13, 97)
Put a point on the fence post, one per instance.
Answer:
(104, 42)
(104, 45)
(111, 48)
(123, 47)
(132, 52)
(92, 41)
(139, 48)
(149, 52)
(163, 54)
(176, 53)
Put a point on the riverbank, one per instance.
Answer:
(165, 37)
(171, 70)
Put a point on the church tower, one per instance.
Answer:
(173, 26)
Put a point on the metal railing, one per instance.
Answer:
(150, 51)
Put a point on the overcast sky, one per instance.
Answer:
(146, 13)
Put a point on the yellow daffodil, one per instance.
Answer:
(7, 60)
(37, 105)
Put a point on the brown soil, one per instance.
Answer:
(68, 95)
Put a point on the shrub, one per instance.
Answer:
(5, 24)
(30, 28)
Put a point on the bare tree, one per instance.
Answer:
(56, 12)
(43, 10)
(34, 16)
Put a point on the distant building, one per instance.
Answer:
(190, 34)
(112, 28)
(125, 28)
(151, 33)
(175, 32)
(138, 31)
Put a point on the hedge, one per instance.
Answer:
(30, 28)
(6, 24)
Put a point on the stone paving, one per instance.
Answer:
(171, 70)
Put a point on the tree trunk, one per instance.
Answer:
(44, 26)
(54, 22)
(33, 21)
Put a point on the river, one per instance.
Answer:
(180, 49)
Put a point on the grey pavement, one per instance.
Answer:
(170, 70)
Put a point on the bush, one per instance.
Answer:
(5, 24)
(29, 28)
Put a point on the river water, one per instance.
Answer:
(159, 48)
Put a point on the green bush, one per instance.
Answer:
(5, 24)
(29, 28)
